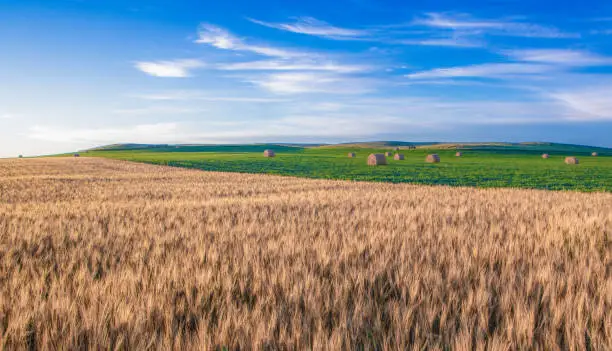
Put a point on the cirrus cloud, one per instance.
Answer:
(315, 27)
(169, 69)
(221, 38)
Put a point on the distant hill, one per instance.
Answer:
(496, 147)
(118, 147)
(201, 148)
(377, 144)
(537, 147)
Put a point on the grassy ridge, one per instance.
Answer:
(197, 148)
(517, 166)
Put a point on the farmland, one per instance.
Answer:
(516, 166)
(104, 254)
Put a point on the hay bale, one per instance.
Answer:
(77, 155)
(20, 156)
(388, 154)
(433, 158)
(459, 154)
(594, 154)
(545, 156)
(397, 149)
(377, 160)
(398, 157)
(352, 155)
(571, 161)
(269, 153)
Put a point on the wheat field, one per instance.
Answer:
(102, 254)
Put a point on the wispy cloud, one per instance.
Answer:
(292, 66)
(169, 69)
(182, 95)
(593, 103)
(158, 110)
(525, 63)
(223, 39)
(315, 27)
(458, 42)
(284, 129)
(559, 56)
(432, 113)
(467, 24)
(312, 82)
(382, 34)
(350, 118)
(163, 132)
(489, 70)
(6, 116)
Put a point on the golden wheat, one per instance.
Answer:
(105, 254)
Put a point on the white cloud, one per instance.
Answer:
(169, 69)
(434, 113)
(489, 70)
(559, 56)
(218, 37)
(315, 27)
(292, 66)
(500, 27)
(448, 42)
(593, 103)
(159, 110)
(223, 39)
(460, 21)
(348, 118)
(144, 133)
(284, 129)
(303, 82)
(203, 96)
(6, 116)
(543, 65)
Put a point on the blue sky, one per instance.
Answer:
(80, 73)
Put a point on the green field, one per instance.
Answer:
(518, 166)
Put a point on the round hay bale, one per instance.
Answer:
(398, 157)
(459, 154)
(397, 149)
(20, 156)
(594, 154)
(545, 156)
(388, 154)
(352, 155)
(77, 155)
(571, 161)
(433, 158)
(269, 153)
(377, 160)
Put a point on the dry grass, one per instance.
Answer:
(112, 255)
